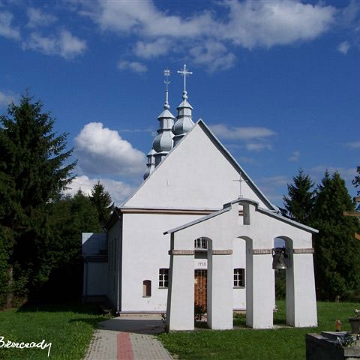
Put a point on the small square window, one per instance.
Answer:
(239, 277)
(163, 278)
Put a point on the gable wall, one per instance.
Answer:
(195, 175)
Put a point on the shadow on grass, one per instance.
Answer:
(73, 306)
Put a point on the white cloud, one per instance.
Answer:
(208, 37)
(64, 44)
(133, 66)
(255, 138)
(344, 47)
(118, 190)
(295, 156)
(6, 97)
(6, 28)
(241, 133)
(263, 23)
(103, 151)
(38, 18)
(212, 54)
(149, 50)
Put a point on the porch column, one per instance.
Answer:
(180, 304)
(260, 301)
(301, 308)
(220, 285)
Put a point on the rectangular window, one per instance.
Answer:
(163, 278)
(239, 278)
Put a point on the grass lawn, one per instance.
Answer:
(68, 328)
(249, 344)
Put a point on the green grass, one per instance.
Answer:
(249, 344)
(68, 328)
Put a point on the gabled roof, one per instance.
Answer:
(221, 148)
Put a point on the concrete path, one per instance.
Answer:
(128, 338)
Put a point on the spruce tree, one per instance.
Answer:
(337, 252)
(101, 200)
(34, 169)
(300, 202)
(356, 181)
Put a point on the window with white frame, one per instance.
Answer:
(200, 244)
(163, 278)
(239, 278)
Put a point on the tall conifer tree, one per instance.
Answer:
(300, 202)
(101, 199)
(337, 252)
(34, 168)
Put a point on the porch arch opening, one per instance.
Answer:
(202, 278)
(284, 280)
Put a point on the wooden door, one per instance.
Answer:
(200, 287)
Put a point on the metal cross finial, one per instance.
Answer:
(240, 182)
(167, 82)
(184, 73)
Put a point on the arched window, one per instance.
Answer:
(200, 244)
(146, 288)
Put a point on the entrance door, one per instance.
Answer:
(201, 288)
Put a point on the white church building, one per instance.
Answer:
(199, 231)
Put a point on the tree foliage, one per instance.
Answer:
(337, 252)
(300, 202)
(356, 181)
(102, 201)
(34, 169)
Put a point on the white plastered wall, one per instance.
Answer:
(196, 174)
(145, 250)
(258, 229)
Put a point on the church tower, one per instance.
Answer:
(170, 132)
(184, 121)
(163, 142)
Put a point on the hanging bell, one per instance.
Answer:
(279, 261)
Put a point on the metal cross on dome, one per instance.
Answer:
(184, 73)
(167, 74)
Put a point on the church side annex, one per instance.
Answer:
(220, 265)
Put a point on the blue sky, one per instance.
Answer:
(276, 80)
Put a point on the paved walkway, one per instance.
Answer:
(128, 338)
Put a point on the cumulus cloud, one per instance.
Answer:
(38, 18)
(63, 44)
(153, 49)
(209, 38)
(6, 28)
(279, 22)
(103, 151)
(118, 190)
(213, 54)
(133, 66)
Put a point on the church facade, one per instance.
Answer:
(189, 177)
